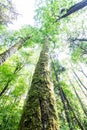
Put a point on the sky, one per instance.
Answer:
(26, 10)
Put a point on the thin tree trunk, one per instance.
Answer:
(80, 86)
(66, 104)
(83, 71)
(65, 107)
(17, 69)
(5, 55)
(78, 121)
(5, 88)
(82, 105)
(79, 80)
(39, 111)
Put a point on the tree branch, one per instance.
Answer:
(73, 9)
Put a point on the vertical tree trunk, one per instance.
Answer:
(80, 101)
(39, 110)
(66, 104)
(75, 116)
(17, 69)
(81, 70)
(80, 86)
(5, 55)
(66, 109)
(79, 80)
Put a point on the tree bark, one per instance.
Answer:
(65, 107)
(5, 55)
(39, 111)
(66, 104)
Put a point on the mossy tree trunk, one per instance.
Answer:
(9, 52)
(39, 111)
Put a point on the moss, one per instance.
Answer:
(39, 110)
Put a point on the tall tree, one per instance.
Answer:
(39, 111)
(5, 55)
(68, 109)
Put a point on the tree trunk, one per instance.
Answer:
(65, 107)
(5, 55)
(39, 111)
(75, 116)
(80, 86)
(66, 104)
(17, 69)
(80, 101)
(79, 80)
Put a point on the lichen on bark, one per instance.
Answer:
(39, 111)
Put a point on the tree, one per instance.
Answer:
(39, 110)
(5, 55)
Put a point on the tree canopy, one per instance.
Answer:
(20, 51)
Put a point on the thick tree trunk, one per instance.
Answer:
(39, 110)
(5, 55)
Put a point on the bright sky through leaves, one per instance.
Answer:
(26, 10)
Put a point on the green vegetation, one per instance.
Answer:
(32, 96)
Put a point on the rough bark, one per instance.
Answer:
(5, 55)
(39, 111)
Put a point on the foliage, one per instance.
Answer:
(7, 12)
(16, 73)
